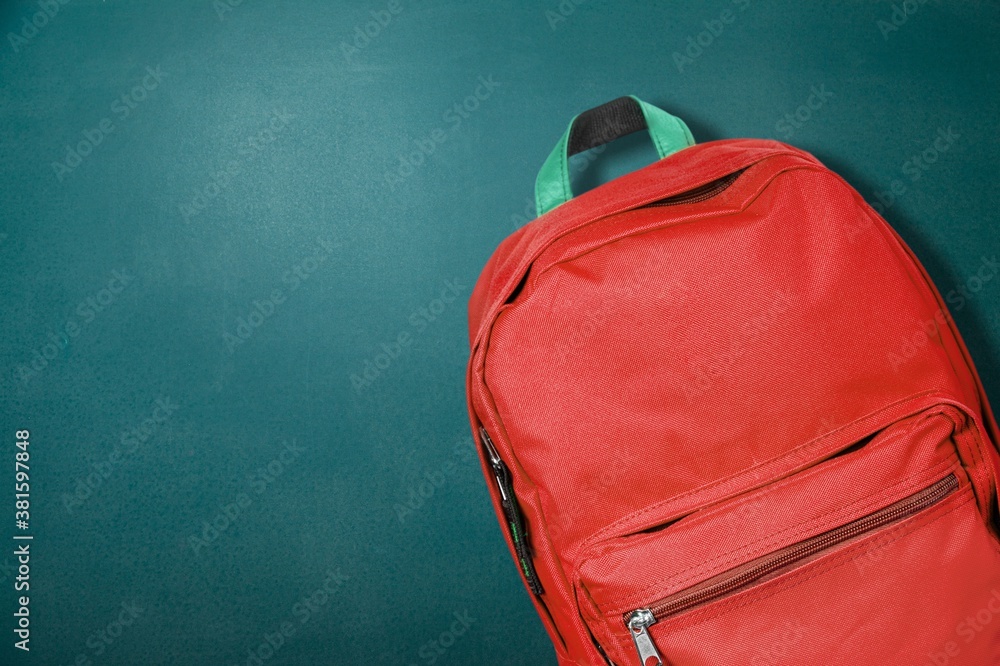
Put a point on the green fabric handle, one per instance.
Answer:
(552, 187)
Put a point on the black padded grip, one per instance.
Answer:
(605, 123)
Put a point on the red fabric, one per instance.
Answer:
(679, 390)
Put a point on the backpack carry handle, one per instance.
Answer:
(600, 125)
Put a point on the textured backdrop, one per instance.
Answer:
(236, 243)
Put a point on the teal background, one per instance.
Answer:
(136, 532)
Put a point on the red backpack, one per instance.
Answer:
(727, 419)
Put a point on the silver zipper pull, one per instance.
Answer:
(495, 461)
(638, 625)
(490, 449)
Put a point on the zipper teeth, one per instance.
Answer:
(890, 514)
(699, 194)
(512, 513)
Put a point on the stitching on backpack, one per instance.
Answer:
(839, 560)
(567, 188)
(725, 606)
(604, 531)
(540, 242)
(775, 538)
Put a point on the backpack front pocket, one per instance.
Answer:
(883, 571)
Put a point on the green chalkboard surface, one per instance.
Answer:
(237, 239)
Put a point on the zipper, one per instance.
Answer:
(736, 580)
(638, 626)
(512, 512)
(701, 193)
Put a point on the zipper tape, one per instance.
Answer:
(512, 512)
(741, 578)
